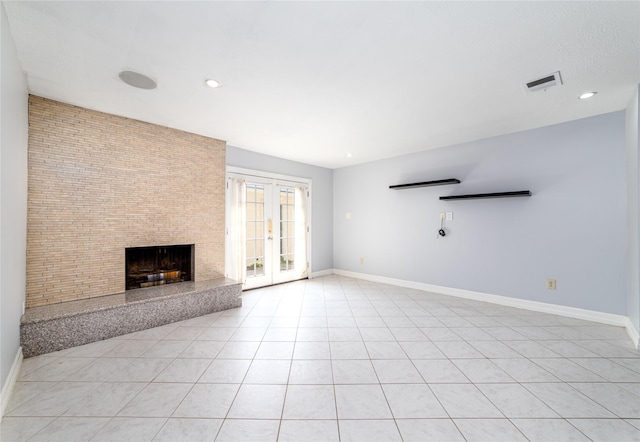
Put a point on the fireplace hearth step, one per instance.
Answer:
(56, 327)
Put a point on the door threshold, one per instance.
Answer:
(277, 283)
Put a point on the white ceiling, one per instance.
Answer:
(311, 81)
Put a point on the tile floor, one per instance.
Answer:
(336, 358)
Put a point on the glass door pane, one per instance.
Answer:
(255, 234)
(291, 248)
(257, 247)
(287, 229)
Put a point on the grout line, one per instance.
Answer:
(333, 296)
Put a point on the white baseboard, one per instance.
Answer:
(7, 388)
(633, 333)
(571, 312)
(321, 273)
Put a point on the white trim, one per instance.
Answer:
(571, 312)
(7, 388)
(320, 273)
(633, 333)
(261, 174)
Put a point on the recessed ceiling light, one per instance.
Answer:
(137, 80)
(587, 95)
(349, 155)
(212, 83)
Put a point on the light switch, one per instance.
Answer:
(347, 215)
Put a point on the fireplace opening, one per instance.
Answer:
(158, 265)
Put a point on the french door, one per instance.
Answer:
(267, 230)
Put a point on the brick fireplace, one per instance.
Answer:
(100, 184)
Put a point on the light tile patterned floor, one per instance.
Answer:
(336, 358)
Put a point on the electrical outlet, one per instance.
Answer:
(449, 216)
(551, 284)
(361, 260)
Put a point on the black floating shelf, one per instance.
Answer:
(426, 184)
(519, 193)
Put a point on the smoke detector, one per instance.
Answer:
(544, 83)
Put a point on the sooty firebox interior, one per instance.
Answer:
(158, 265)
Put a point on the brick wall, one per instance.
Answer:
(99, 183)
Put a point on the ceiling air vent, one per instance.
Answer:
(544, 83)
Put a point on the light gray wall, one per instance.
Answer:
(13, 198)
(322, 188)
(633, 207)
(571, 229)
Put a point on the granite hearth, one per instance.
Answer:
(54, 327)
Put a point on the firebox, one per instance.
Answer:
(158, 265)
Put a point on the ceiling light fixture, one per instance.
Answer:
(587, 95)
(349, 155)
(137, 80)
(212, 83)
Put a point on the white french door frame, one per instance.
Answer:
(273, 182)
